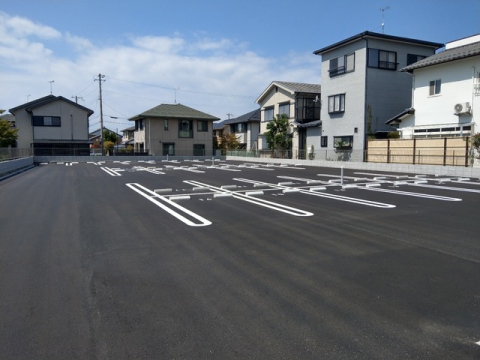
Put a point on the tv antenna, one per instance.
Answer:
(383, 17)
(52, 81)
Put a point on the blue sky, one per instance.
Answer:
(215, 56)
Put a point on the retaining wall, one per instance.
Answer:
(12, 166)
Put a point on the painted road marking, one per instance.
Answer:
(170, 207)
(406, 193)
(328, 196)
(261, 202)
(446, 188)
(110, 172)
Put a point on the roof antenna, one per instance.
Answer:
(383, 18)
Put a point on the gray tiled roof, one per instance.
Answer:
(252, 116)
(46, 100)
(174, 111)
(456, 53)
(300, 87)
(378, 36)
(217, 125)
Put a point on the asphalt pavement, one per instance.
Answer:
(187, 260)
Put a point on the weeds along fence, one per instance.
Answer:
(432, 151)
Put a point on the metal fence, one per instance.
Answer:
(14, 153)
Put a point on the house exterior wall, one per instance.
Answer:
(457, 86)
(74, 124)
(275, 97)
(253, 129)
(385, 92)
(352, 84)
(153, 136)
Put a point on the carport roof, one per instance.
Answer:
(174, 111)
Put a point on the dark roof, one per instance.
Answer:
(217, 125)
(370, 34)
(174, 111)
(131, 128)
(293, 87)
(97, 133)
(399, 117)
(8, 117)
(46, 100)
(310, 124)
(252, 116)
(456, 53)
(300, 87)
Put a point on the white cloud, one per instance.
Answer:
(78, 43)
(20, 27)
(197, 68)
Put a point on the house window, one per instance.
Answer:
(202, 125)
(138, 125)
(168, 149)
(435, 87)
(343, 142)
(284, 109)
(198, 149)
(336, 103)
(165, 125)
(268, 114)
(342, 65)
(46, 121)
(324, 141)
(382, 59)
(411, 58)
(307, 108)
(185, 130)
(238, 127)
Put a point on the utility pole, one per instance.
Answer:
(100, 77)
(76, 98)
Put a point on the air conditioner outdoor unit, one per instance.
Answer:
(462, 108)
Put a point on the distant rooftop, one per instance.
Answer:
(174, 111)
(370, 34)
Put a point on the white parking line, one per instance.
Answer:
(261, 202)
(169, 206)
(324, 195)
(446, 188)
(406, 193)
(110, 172)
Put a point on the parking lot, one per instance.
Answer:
(236, 260)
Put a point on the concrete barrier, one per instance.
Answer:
(400, 168)
(11, 167)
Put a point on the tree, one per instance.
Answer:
(109, 136)
(277, 134)
(228, 142)
(8, 135)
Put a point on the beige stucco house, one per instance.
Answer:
(301, 103)
(174, 130)
(53, 125)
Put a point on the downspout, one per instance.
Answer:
(365, 141)
(149, 138)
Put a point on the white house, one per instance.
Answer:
(246, 128)
(301, 103)
(445, 93)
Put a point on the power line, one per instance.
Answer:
(189, 91)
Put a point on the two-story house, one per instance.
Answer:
(246, 128)
(174, 130)
(301, 104)
(53, 125)
(362, 86)
(446, 93)
(128, 138)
